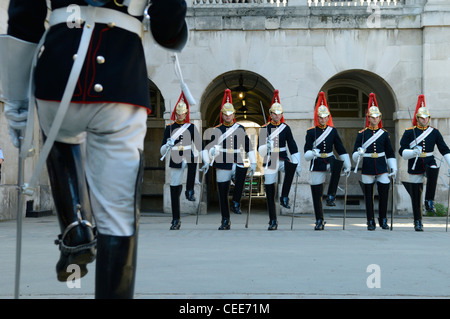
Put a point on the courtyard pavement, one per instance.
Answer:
(200, 262)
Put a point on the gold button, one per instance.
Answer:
(100, 59)
(111, 25)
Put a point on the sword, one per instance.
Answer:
(392, 210)
(19, 222)
(448, 204)
(415, 139)
(201, 196)
(345, 202)
(295, 196)
(249, 199)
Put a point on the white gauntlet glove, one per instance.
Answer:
(296, 157)
(16, 57)
(252, 158)
(411, 153)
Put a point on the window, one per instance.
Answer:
(347, 102)
(156, 101)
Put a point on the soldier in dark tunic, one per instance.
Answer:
(229, 143)
(319, 142)
(181, 142)
(417, 145)
(275, 139)
(373, 148)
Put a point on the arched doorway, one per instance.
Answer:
(347, 94)
(251, 96)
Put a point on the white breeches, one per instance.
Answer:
(112, 135)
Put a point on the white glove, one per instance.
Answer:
(411, 153)
(296, 158)
(16, 112)
(16, 57)
(252, 157)
(205, 157)
(205, 168)
(316, 152)
(361, 151)
(392, 164)
(269, 145)
(309, 155)
(347, 164)
(447, 159)
(262, 150)
(170, 142)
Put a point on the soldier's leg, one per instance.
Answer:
(70, 194)
(176, 175)
(317, 180)
(289, 171)
(270, 180)
(114, 170)
(415, 188)
(383, 194)
(190, 181)
(432, 174)
(223, 186)
(239, 183)
(368, 182)
(335, 169)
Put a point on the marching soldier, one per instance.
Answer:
(86, 71)
(275, 137)
(180, 138)
(417, 146)
(374, 147)
(226, 156)
(319, 142)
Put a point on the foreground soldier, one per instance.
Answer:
(319, 142)
(274, 139)
(417, 146)
(107, 112)
(180, 138)
(373, 146)
(225, 151)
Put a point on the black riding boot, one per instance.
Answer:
(190, 181)
(70, 195)
(224, 188)
(415, 191)
(239, 182)
(115, 270)
(317, 193)
(175, 192)
(270, 198)
(432, 177)
(336, 167)
(289, 172)
(368, 198)
(383, 193)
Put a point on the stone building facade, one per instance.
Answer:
(348, 49)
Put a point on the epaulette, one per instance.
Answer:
(363, 130)
(265, 125)
(311, 128)
(218, 125)
(410, 128)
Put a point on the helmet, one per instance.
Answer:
(322, 111)
(374, 111)
(181, 107)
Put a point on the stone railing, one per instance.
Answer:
(355, 2)
(275, 3)
(284, 3)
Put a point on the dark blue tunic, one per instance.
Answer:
(428, 143)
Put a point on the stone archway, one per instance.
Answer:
(347, 95)
(249, 110)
